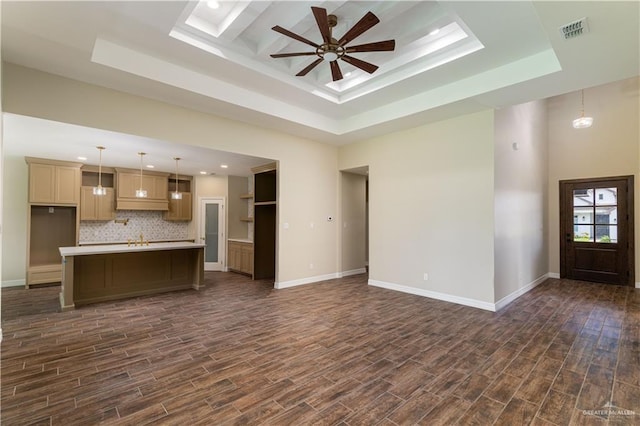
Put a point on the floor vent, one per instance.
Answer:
(575, 28)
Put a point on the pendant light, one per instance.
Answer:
(582, 122)
(176, 195)
(99, 190)
(141, 193)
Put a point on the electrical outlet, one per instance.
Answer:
(426, 276)
(311, 266)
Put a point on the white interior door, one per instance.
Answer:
(212, 233)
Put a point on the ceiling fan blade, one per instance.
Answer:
(335, 71)
(363, 65)
(367, 21)
(294, 36)
(379, 46)
(309, 67)
(323, 23)
(288, 55)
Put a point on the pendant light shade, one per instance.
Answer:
(582, 122)
(99, 190)
(176, 195)
(141, 193)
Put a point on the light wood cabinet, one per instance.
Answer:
(48, 228)
(155, 183)
(240, 257)
(52, 221)
(179, 210)
(53, 182)
(94, 207)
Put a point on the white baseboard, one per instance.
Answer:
(14, 283)
(553, 275)
(308, 280)
(352, 272)
(435, 295)
(513, 296)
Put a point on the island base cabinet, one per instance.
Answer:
(104, 277)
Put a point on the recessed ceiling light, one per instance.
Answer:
(82, 158)
(224, 166)
(213, 4)
(434, 32)
(150, 166)
(203, 173)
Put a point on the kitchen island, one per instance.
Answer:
(99, 273)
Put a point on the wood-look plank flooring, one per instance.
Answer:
(339, 352)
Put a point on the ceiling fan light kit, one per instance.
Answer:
(332, 49)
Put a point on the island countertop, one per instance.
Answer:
(123, 248)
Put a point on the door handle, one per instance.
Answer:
(568, 237)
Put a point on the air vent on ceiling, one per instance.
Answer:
(574, 29)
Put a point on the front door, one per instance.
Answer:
(596, 230)
(212, 232)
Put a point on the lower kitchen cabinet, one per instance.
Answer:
(240, 257)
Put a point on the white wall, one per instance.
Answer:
(520, 184)
(611, 147)
(307, 170)
(14, 216)
(353, 222)
(431, 208)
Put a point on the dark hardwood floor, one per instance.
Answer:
(337, 352)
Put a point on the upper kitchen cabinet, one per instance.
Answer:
(180, 210)
(97, 207)
(53, 182)
(155, 183)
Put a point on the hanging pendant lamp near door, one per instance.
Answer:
(99, 190)
(176, 195)
(582, 122)
(141, 193)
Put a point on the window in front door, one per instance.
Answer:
(595, 215)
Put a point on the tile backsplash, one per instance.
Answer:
(149, 223)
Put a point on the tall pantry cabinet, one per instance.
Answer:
(264, 220)
(52, 222)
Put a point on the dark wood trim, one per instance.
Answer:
(566, 227)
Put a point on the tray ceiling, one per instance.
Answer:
(485, 55)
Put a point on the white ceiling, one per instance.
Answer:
(487, 55)
(35, 137)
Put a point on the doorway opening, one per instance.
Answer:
(355, 221)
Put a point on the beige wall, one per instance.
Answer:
(520, 198)
(431, 206)
(353, 221)
(307, 177)
(611, 147)
(14, 216)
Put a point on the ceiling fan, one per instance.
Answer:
(331, 49)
